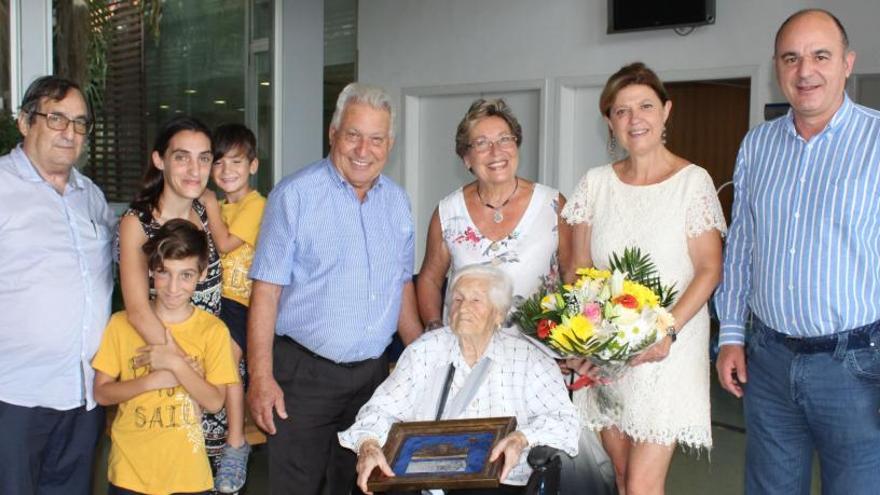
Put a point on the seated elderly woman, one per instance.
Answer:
(518, 380)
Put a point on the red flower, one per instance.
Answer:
(544, 327)
(627, 301)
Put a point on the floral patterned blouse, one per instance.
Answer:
(528, 254)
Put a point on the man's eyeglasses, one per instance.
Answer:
(482, 145)
(59, 122)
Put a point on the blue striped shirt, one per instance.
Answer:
(803, 253)
(342, 263)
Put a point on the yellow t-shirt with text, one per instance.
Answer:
(157, 441)
(243, 221)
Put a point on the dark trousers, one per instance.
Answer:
(322, 398)
(501, 490)
(45, 451)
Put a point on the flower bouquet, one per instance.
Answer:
(606, 316)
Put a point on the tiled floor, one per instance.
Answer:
(719, 473)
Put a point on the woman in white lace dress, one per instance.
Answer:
(667, 206)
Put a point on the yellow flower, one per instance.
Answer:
(562, 336)
(643, 295)
(594, 273)
(581, 327)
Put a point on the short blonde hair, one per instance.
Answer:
(479, 110)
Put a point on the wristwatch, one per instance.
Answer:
(670, 332)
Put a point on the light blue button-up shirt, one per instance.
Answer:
(55, 285)
(342, 262)
(803, 252)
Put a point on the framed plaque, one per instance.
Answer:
(443, 454)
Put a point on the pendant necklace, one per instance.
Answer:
(498, 217)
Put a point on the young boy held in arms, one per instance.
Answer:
(157, 441)
(234, 224)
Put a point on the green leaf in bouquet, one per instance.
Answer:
(529, 313)
(641, 269)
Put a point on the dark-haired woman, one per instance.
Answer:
(664, 204)
(176, 176)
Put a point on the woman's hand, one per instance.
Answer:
(511, 446)
(162, 356)
(370, 456)
(653, 354)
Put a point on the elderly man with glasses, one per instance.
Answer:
(55, 286)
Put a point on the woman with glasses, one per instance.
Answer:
(500, 218)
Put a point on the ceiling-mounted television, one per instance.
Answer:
(638, 15)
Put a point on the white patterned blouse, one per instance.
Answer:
(522, 382)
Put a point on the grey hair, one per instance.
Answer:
(367, 94)
(500, 285)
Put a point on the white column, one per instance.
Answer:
(30, 40)
(299, 84)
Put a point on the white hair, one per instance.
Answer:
(500, 285)
(367, 94)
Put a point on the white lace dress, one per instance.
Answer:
(668, 401)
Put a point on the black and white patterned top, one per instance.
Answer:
(208, 292)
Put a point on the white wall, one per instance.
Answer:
(299, 77)
(408, 46)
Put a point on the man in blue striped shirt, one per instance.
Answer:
(332, 282)
(803, 260)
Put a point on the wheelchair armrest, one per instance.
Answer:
(542, 457)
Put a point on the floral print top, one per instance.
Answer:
(528, 254)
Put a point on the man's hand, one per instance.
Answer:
(370, 456)
(511, 446)
(657, 352)
(731, 366)
(263, 396)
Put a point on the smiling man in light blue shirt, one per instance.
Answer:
(332, 283)
(55, 287)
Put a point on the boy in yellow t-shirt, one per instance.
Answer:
(158, 447)
(234, 224)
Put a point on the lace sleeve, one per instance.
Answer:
(704, 210)
(579, 208)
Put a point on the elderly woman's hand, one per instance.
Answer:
(511, 446)
(370, 456)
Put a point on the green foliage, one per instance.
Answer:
(529, 312)
(9, 135)
(639, 268)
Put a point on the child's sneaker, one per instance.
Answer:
(232, 472)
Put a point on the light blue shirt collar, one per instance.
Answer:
(28, 171)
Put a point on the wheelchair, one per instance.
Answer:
(554, 473)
